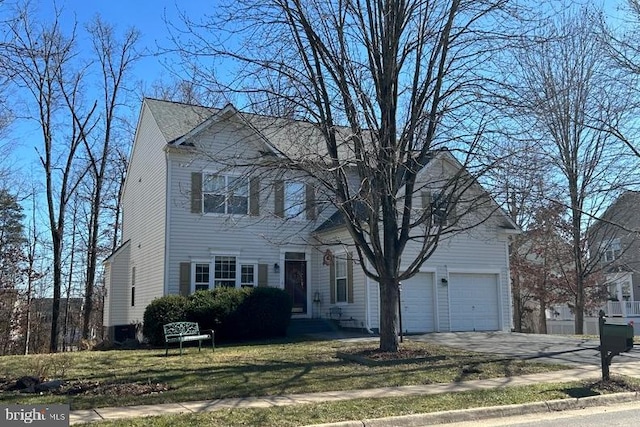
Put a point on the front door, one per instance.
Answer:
(295, 280)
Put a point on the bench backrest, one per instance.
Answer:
(181, 328)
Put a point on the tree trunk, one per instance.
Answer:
(542, 317)
(576, 213)
(517, 305)
(389, 315)
(57, 287)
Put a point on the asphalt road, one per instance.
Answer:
(560, 349)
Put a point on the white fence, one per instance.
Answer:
(567, 327)
(622, 308)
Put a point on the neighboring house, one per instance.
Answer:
(197, 214)
(613, 239)
(70, 322)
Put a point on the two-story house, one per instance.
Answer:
(614, 240)
(198, 214)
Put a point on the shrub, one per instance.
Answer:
(235, 314)
(163, 310)
(265, 313)
(202, 308)
(227, 302)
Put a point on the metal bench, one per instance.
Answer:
(186, 331)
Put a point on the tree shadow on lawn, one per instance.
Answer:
(273, 377)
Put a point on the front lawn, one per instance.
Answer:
(133, 377)
(359, 409)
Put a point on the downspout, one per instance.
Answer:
(167, 216)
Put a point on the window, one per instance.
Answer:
(133, 287)
(612, 251)
(440, 208)
(225, 271)
(247, 275)
(202, 277)
(294, 199)
(225, 194)
(341, 279)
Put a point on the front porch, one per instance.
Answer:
(622, 308)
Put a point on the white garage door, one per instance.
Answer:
(473, 302)
(417, 304)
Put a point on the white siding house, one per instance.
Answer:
(193, 221)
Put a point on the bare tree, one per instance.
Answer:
(517, 183)
(386, 85)
(116, 58)
(564, 92)
(621, 42)
(41, 63)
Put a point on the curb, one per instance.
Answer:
(461, 415)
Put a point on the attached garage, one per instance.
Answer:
(416, 301)
(473, 302)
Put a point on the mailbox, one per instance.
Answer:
(617, 338)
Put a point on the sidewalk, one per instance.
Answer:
(585, 373)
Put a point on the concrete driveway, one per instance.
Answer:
(560, 349)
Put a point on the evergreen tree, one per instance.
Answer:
(12, 240)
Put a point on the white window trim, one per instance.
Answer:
(610, 250)
(193, 272)
(226, 201)
(212, 264)
(342, 255)
(254, 264)
(301, 215)
(442, 221)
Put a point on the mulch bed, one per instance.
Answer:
(614, 385)
(86, 388)
(376, 357)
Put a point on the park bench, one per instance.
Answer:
(186, 331)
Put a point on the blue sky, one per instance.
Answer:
(145, 15)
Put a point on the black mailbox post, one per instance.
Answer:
(614, 339)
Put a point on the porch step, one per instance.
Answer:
(311, 326)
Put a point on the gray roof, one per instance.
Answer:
(175, 119)
(295, 138)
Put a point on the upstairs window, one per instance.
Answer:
(441, 208)
(612, 251)
(294, 199)
(224, 194)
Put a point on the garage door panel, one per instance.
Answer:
(417, 305)
(474, 302)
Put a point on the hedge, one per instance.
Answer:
(235, 314)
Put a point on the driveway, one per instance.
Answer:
(560, 349)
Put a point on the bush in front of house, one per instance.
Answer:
(240, 314)
(210, 309)
(234, 314)
(163, 310)
(264, 313)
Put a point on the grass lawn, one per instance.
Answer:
(131, 377)
(358, 409)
